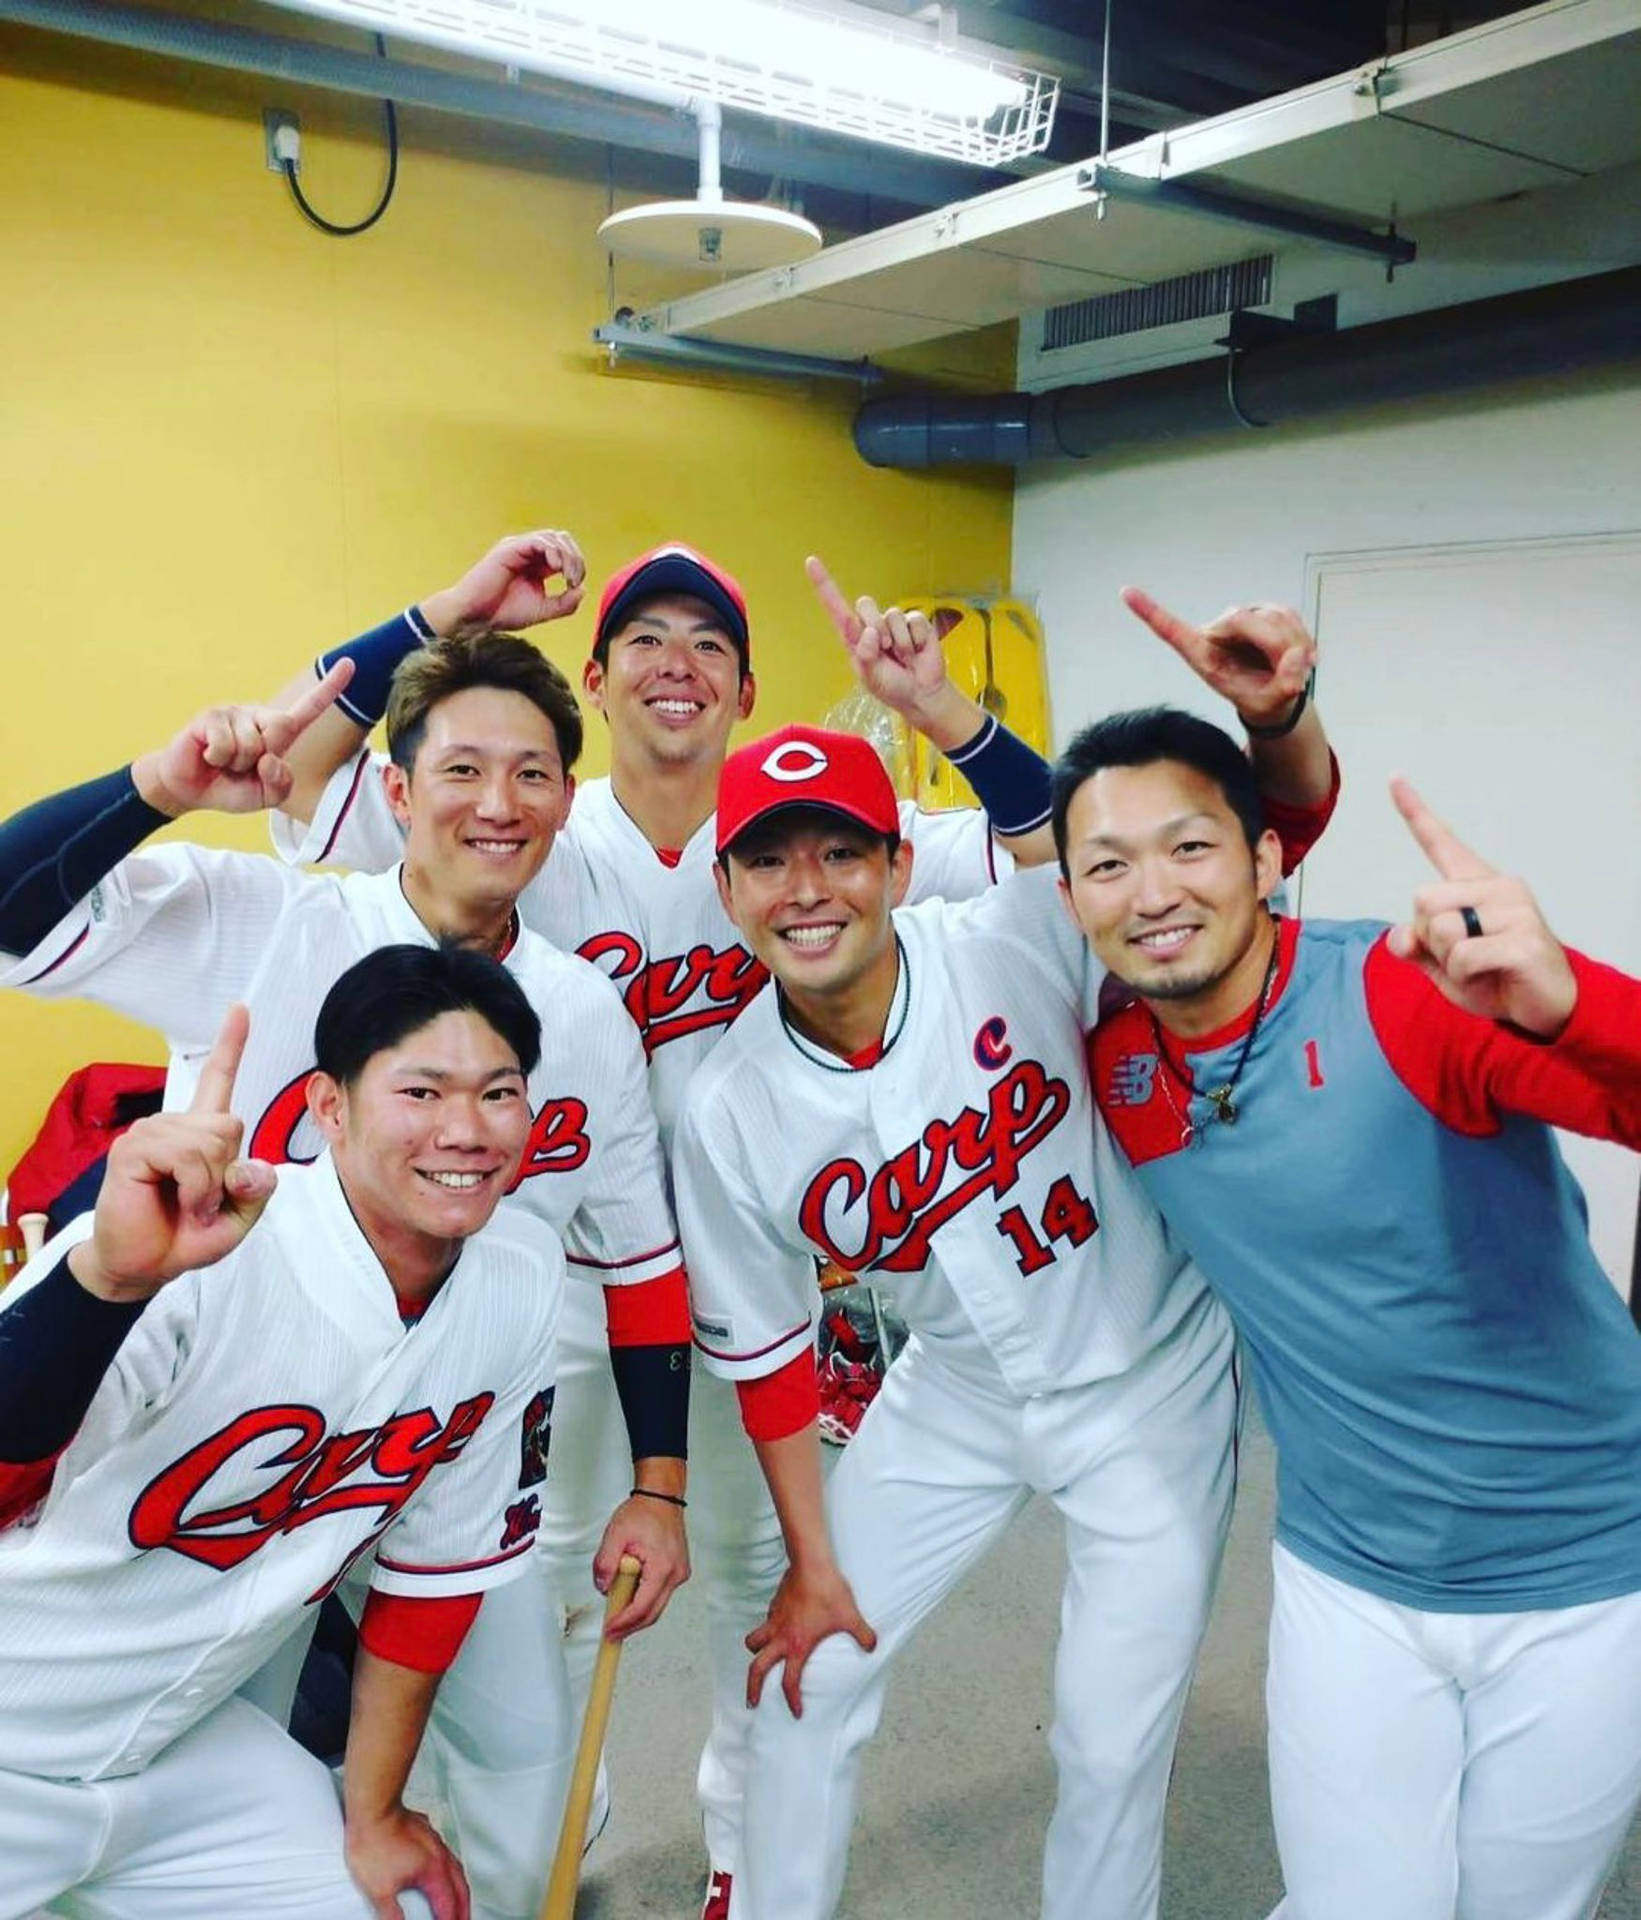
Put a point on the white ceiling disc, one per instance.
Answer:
(712, 236)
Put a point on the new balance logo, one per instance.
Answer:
(1132, 1079)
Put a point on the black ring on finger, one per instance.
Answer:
(1472, 922)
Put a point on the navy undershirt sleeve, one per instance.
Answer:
(652, 1384)
(55, 1346)
(54, 852)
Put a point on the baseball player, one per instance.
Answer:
(484, 735)
(629, 887)
(207, 1417)
(1350, 1127)
(908, 1099)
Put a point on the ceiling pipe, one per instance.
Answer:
(1303, 376)
(601, 119)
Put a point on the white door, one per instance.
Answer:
(1505, 681)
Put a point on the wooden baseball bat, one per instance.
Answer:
(561, 1885)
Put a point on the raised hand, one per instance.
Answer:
(510, 587)
(1258, 658)
(232, 759)
(806, 1609)
(176, 1196)
(1479, 933)
(896, 656)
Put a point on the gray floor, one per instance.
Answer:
(958, 1783)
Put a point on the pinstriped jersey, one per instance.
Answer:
(175, 935)
(654, 925)
(966, 1167)
(267, 1421)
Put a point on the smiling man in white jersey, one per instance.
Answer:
(209, 1411)
(484, 735)
(630, 887)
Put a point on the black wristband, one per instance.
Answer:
(1284, 727)
(56, 1344)
(653, 1493)
(652, 1384)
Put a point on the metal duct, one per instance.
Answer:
(1302, 376)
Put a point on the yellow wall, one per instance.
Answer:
(228, 439)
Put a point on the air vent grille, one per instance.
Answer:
(1189, 296)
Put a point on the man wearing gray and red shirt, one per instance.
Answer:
(1350, 1128)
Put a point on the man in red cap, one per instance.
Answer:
(629, 885)
(908, 1099)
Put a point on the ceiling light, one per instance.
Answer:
(788, 61)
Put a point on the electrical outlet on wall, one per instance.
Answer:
(281, 138)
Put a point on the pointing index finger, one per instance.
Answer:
(215, 1090)
(830, 595)
(1447, 853)
(1168, 627)
(307, 707)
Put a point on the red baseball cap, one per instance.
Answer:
(674, 568)
(805, 767)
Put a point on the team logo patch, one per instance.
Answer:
(991, 1045)
(1133, 1078)
(520, 1522)
(795, 760)
(537, 1431)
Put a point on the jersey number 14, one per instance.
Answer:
(1066, 1216)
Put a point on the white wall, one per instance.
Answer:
(1267, 516)
(1236, 520)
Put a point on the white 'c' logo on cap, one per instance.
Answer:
(795, 760)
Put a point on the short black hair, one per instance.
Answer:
(1144, 736)
(396, 991)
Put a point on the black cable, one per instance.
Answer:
(318, 219)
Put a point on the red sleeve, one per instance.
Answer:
(1299, 828)
(781, 1403)
(21, 1485)
(654, 1313)
(1469, 1071)
(424, 1632)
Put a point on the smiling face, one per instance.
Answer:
(812, 894)
(483, 801)
(1164, 884)
(671, 685)
(426, 1139)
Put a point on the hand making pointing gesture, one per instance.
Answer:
(1479, 934)
(1259, 658)
(896, 655)
(176, 1196)
(232, 759)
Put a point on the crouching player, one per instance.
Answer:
(203, 1426)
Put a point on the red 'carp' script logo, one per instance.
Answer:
(658, 993)
(376, 1467)
(904, 1205)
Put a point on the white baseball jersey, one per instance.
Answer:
(175, 935)
(657, 929)
(968, 1167)
(266, 1421)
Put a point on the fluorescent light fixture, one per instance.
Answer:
(789, 61)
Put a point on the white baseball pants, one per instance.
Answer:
(734, 1536)
(1142, 1469)
(1448, 1766)
(231, 1819)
